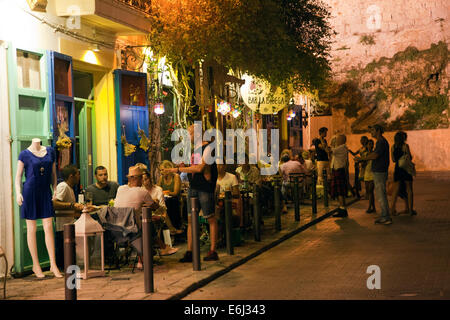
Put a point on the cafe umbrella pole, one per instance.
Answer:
(195, 235)
(256, 213)
(147, 240)
(228, 222)
(70, 274)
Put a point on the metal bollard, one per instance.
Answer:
(195, 228)
(70, 260)
(256, 213)
(314, 193)
(325, 188)
(228, 222)
(277, 205)
(147, 239)
(296, 199)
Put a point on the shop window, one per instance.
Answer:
(133, 91)
(63, 77)
(28, 70)
(29, 115)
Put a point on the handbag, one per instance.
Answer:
(406, 163)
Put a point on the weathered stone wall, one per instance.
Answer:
(368, 30)
(390, 66)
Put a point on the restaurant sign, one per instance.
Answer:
(259, 96)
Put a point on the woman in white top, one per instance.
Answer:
(157, 195)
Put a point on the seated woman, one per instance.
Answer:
(171, 186)
(156, 194)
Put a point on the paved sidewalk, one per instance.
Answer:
(171, 278)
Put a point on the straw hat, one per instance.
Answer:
(134, 171)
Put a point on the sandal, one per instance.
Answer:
(168, 251)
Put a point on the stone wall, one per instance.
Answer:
(390, 65)
(368, 30)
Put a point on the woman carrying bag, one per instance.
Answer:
(403, 173)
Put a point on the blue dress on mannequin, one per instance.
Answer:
(37, 195)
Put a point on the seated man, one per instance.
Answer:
(102, 191)
(248, 174)
(66, 208)
(289, 167)
(228, 182)
(132, 195)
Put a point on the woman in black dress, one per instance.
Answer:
(402, 179)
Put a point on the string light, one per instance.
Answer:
(223, 107)
(158, 108)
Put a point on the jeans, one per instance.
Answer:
(206, 201)
(379, 179)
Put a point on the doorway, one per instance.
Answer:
(85, 148)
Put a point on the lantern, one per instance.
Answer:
(223, 107)
(88, 231)
(158, 108)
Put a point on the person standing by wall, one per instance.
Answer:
(380, 166)
(403, 175)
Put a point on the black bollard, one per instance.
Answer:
(195, 227)
(314, 193)
(256, 213)
(296, 199)
(147, 239)
(277, 204)
(228, 222)
(70, 273)
(325, 188)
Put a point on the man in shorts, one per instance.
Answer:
(202, 185)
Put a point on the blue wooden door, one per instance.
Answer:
(62, 109)
(131, 115)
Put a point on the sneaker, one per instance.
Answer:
(342, 213)
(187, 257)
(383, 221)
(212, 256)
(371, 210)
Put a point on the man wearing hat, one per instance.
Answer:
(380, 165)
(132, 195)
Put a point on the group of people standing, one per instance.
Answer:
(373, 159)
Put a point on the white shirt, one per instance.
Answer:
(64, 193)
(339, 157)
(157, 194)
(227, 182)
(131, 197)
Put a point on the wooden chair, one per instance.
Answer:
(3, 255)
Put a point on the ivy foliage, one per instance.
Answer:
(282, 41)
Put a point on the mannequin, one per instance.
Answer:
(36, 201)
